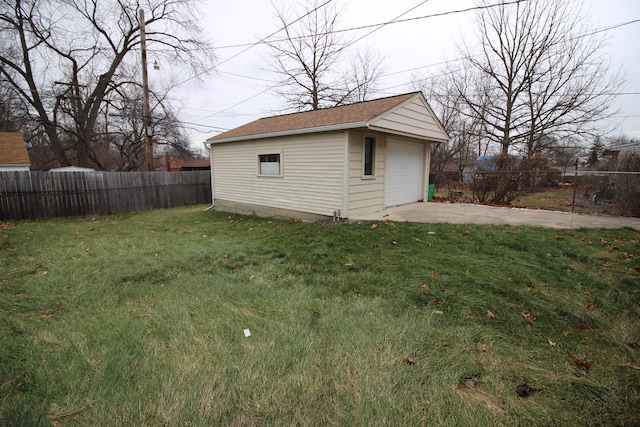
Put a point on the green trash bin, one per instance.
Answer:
(430, 192)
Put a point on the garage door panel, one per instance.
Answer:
(403, 178)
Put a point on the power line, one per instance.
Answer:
(252, 45)
(381, 25)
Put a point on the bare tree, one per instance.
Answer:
(444, 99)
(466, 136)
(309, 58)
(64, 59)
(361, 78)
(540, 72)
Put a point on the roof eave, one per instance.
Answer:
(406, 134)
(342, 126)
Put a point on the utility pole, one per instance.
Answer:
(145, 90)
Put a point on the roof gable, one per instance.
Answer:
(12, 149)
(413, 117)
(352, 116)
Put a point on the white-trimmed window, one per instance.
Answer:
(369, 157)
(270, 164)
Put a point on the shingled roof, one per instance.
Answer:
(346, 116)
(12, 149)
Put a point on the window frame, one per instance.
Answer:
(374, 140)
(259, 162)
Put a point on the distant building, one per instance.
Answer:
(181, 165)
(71, 169)
(13, 152)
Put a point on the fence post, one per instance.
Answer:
(575, 182)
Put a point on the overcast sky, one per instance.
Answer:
(238, 92)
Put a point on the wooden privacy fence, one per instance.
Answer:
(32, 195)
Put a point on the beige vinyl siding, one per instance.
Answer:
(413, 118)
(365, 194)
(312, 172)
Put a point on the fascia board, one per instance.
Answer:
(343, 126)
(408, 135)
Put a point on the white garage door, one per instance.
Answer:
(403, 178)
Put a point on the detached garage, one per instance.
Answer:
(342, 161)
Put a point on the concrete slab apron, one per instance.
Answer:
(460, 213)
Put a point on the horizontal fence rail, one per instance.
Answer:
(32, 195)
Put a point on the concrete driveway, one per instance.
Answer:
(461, 213)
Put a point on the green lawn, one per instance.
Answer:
(138, 320)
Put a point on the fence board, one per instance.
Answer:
(32, 195)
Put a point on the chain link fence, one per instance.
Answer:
(595, 192)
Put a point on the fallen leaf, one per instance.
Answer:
(580, 363)
(435, 302)
(470, 382)
(510, 279)
(481, 346)
(43, 273)
(524, 390)
(394, 242)
(418, 240)
(76, 232)
(630, 366)
(434, 273)
(587, 293)
(591, 306)
(584, 327)
(566, 333)
(374, 226)
(87, 250)
(528, 317)
(551, 343)
(46, 316)
(410, 360)
(156, 255)
(20, 294)
(490, 314)
(440, 312)
(225, 256)
(532, 285)
(472, 315)
(425, 287)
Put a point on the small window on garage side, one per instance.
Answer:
(369, 156)
(269, 164)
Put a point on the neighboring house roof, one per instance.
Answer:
(12, 149)
(71, 169)
(359, 115)
(173, 165)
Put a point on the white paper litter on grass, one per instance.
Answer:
(247, 333)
